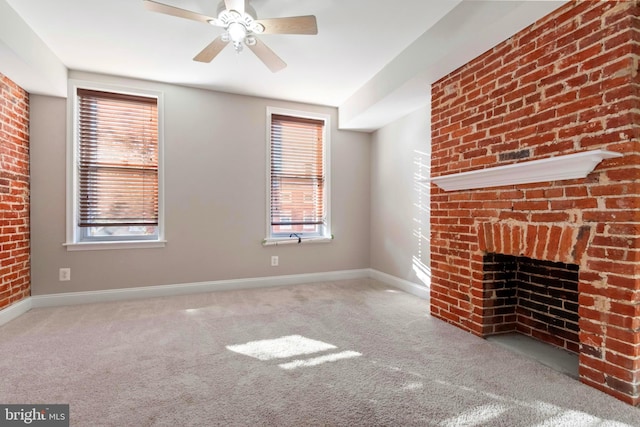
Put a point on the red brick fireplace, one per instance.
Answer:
(567, 84)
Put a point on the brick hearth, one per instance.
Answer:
(566, 84)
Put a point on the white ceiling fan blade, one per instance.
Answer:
(211, 51)
(175, 11)
(291, 25)
(266, 55)
(237, 5)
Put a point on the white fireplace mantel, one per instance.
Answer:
(570, 166)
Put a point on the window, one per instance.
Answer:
(115, 153)
(298, 184)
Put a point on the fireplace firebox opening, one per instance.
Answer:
(532, 297)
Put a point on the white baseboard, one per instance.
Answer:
(404, 285)
(15, 310)
(71, 298)
(87, 297)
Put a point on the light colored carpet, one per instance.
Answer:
(344, 353)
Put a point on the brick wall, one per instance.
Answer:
(566, 84)
(14, 193)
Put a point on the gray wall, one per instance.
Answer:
(215, 198)
(400, 154)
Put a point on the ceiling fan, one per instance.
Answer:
(241, 27)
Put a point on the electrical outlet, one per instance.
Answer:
(274, 261)
(64, 274)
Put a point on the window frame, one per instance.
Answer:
(75, 236)
(325, 235)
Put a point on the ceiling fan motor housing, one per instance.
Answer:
(248, 9)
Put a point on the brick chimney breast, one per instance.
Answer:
(564, 85)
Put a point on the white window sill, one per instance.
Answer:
(123, 244)
(294, 241)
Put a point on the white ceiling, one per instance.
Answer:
(356, 41)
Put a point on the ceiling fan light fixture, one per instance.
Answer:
(237, 32)
(257, 27)
(235, 15)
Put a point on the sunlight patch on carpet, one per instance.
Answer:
(314, 361)
(416, 385)
(575, 418)
(476, 416)
(550, 415)
(281, 348)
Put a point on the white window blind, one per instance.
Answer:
(117, 159)
(297, 175)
